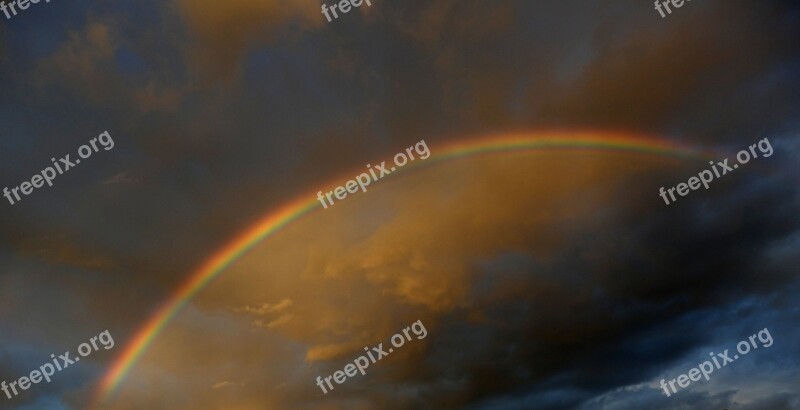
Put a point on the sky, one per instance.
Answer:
(544, 278)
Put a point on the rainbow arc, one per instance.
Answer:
(296, 209)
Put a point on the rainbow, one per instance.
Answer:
(277, 219)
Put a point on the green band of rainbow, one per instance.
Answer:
(292, 211)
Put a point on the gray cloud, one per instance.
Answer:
(541, 289)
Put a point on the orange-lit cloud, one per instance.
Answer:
(222, 32)
(356, 274)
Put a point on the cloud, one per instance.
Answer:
(223, 32)
(283, 319)
(267, 308)
(59, 251)
(83, 64)
(122, 178)
(221, 384)
(544, 280)
(578, 273)
(150, 98)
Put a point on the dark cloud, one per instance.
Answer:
(545, 281)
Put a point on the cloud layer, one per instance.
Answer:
(546, 280)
